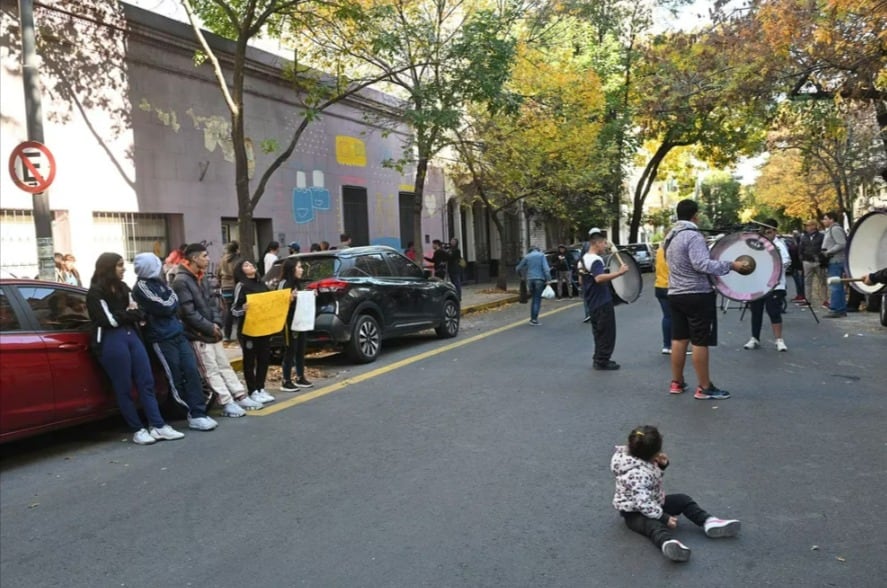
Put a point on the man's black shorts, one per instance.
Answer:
(694, 317)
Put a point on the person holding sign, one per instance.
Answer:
(256, 349)
(294, 353)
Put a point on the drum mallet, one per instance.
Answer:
(837, 280)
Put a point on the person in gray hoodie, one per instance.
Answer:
(834, 242)
(165, 334)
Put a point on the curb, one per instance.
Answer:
(237, 362)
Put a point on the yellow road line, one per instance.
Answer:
(303, 398)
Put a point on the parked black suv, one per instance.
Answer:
(367, 294)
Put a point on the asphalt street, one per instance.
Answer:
(482, 461)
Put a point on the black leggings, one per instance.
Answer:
(772, 303)
(656, 530)
(256, 357)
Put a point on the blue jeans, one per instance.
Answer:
(177, 358)
(662, 297)
(836, 300)
(536, 287)
(125, 361)
(798, 275)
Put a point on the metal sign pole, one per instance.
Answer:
(34, 117)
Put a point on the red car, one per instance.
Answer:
(49, 379)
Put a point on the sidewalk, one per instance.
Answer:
(475, 298)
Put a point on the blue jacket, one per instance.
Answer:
(157, 300)
(535, 266)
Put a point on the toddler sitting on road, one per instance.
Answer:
(642, 502)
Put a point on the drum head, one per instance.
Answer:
(867, 250)
(626, 288)
(768, 268)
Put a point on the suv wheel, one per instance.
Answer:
(449, 327)
(366, 339)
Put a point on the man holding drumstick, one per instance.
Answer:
(692, 300)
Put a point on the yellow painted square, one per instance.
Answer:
(350, 151)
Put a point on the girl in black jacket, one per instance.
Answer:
(120, 350)
(256, 350)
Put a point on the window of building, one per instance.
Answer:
(129, 233)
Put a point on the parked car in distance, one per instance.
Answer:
(49, 378)
(642, 253)
(368, 294)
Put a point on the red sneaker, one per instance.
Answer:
(677, 387)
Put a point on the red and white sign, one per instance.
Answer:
(32, 167)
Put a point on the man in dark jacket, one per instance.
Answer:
(814, 271)
(203, 327)
(163, 331)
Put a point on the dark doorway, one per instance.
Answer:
(407, 204)
(355, 214)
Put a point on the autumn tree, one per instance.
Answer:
(831, 50)
(786, 184)
(695, 89)
(537, 153)
(836, 146)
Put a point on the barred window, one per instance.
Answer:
(129, 233)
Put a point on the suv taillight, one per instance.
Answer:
(331, 285)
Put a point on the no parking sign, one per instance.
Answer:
(32, 167)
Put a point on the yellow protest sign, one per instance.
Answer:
(266, 312)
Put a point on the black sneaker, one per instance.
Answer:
(610, 365)
(288, 386)
(303, 383)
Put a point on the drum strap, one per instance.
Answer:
(673, 235)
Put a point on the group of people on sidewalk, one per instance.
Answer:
(182, 321)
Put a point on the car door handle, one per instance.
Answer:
(72, 347)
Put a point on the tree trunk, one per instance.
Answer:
(643, 188)
(241, 164)
(419, 190)
(502, 277)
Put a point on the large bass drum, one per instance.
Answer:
(627, 287)
(768, 266)
(867, 250)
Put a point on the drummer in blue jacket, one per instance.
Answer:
(165, 334)
(599, 299)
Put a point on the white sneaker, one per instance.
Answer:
(675, 550)
(261, 396)
(165, 432)
(666, 351)
(143, 437)
(753, 343)
(780, 345)
(202, 424)
(248, 403)
(715, 527)
(233, 410)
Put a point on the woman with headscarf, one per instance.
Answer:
(120, 350)
(256, 350)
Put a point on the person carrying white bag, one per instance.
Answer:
(299, 320)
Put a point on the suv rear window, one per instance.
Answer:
(638, 248)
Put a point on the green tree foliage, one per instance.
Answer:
(437, 56)
(720, 199)
(688, 94)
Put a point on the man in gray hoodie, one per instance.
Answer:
(692, 300)
(833, 244)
